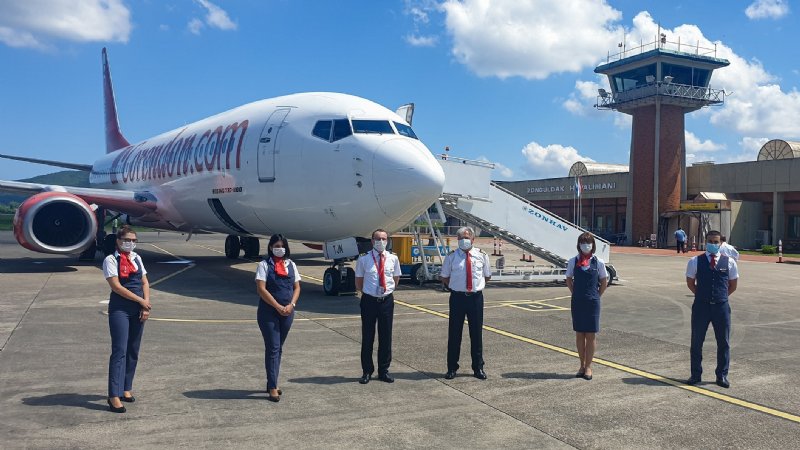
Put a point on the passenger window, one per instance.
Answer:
(322, 130)
(341, 129)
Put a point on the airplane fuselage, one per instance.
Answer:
(266, 168)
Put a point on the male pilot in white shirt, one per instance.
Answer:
(377, 274)
(465, 271)
(728, 250)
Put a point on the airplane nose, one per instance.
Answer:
(407, 178)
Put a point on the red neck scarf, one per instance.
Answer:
(126, 267)
(280, 268)
(583, 260)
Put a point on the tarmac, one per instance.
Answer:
(201, 382)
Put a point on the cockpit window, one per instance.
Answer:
(341, 129)
(372, 126)
(405, 130)
(322, 129)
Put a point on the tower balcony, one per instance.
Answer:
(689, 97)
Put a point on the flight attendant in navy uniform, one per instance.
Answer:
(377, 274)
(587, 279)
(278, 287)
(711, 277)
(465, 271)
(128, 308)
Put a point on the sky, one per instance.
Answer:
(508, 81)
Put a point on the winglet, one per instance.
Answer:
(114, 138)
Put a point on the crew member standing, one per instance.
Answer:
(278, 288)
(465, 271)
(377, 274)
(680, 240)
(587, 279)
(128, 308)
(711, 277)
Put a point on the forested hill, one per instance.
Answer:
(62, 178)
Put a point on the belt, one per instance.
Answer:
(379, 299)
(466, 294)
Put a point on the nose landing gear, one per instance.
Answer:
(339, 280)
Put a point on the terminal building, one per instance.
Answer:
(657, 84)
(753, 203)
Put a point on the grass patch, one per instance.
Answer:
(758, 253)
(5, 222)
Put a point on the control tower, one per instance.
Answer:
(657, 84)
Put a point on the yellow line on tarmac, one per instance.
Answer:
(165, 278)
(651, 376)
(303, 319)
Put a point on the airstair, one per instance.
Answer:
(471, 196)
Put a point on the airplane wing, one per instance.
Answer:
(48, 162)
(128, 202)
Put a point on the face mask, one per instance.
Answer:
(128, 247)
(379, 245)
(586, 248)
(279, 251)
(712, 248)
(464, 244)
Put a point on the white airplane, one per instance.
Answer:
(313, 166)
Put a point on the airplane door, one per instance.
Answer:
(267, 145)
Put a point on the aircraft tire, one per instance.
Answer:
(331, 281)
(418, 274)
(251, 246)
(232, 247)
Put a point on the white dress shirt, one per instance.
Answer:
(263, 270)
(691, 268)
(601, 268)
(367, 269)
(455, 268)
(729, 251)
(110, 268)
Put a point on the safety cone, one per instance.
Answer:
(780, 250)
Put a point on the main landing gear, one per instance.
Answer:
(339, 279)
(235, 244)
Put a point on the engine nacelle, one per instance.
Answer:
(55, 222)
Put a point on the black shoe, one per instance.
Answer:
(365, 378)
(586, 377)
(692, 381)
(385, 377)
(480, 374)
(130, 399)
(450, 375)
(723, 381)
(114, 409)
(273, 399)
(580, 374)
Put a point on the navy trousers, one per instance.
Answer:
(274, 329)
(719, 316)
(382, 312)
(471, 306)
(126, 335)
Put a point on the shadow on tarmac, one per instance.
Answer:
(226, 394)
(77, 400)
(34, 265)
(538, 376)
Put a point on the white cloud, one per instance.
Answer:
(531, 39)
(32, 23)
(767, 9)
(750, 147)
(421, 41)
(215, 17)
(195, 25)
(583, 99)
(552, 161)
(697, 145)
(499, 169)
(419, 14)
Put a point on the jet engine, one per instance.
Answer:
(55, 222)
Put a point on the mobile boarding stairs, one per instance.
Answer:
(471, 196)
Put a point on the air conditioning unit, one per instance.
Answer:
(762, 238)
